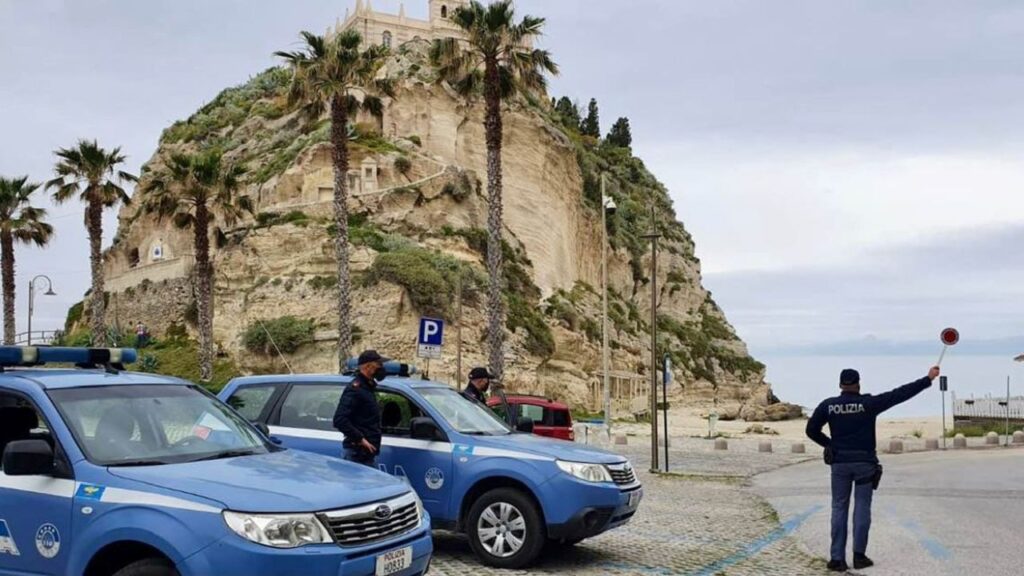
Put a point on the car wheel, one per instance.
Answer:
(505, 529)
(148, 567)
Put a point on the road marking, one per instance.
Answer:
(931, 545)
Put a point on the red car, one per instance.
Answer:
(551, 419)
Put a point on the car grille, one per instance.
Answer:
(622, 474)
(373, 522)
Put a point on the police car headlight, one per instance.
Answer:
(588, 472)
(278, 531)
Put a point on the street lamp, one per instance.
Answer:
(607, 208)
(32, 299)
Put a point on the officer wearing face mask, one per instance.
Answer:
(479, 382)
(358, 413)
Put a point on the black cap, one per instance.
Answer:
(371, 356)
(849, 377)
(480, 372)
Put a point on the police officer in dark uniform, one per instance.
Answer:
(479, 382)
(851, 454)
(358, 413)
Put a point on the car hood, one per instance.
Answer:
(283, 481)
(544, 447)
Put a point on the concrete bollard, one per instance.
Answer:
(1018, 437)
(959, 441)
(931, 444)
(621, 440)
(895, 446)
(721, 444)
(992, 439)
(798, 448)
(764, 447)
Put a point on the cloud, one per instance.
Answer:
(897, 296)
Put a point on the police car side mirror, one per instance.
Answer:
(525, 425)
(28, 458)
(425, 429)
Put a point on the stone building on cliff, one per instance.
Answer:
(392, 30)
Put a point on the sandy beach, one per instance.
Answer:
(690, 422)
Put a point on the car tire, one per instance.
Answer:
(498, 520)
(148, 567)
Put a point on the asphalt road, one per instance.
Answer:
(935, 512)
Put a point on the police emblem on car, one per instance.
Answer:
(382, 512)
(48, 541)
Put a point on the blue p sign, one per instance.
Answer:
(431, 331)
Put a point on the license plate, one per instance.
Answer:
(394, 561)
(635, 497)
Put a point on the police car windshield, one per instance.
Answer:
(464, 415)
(152, 425)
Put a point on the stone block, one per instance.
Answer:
(959, 441)
(931, 444)
(895, 446)
(764, 447)
(621, 440)
(1018, 437)
(992, 439)
(721, 444)
(798, 448)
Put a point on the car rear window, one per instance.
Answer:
(560, 418)
(252, 401)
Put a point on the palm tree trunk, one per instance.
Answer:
(7, 265)
(495, 299)
(204, 290)
(339, 139)
(97, 303)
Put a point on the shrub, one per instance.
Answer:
(403, 166)
(74, 316)
(318, 283)
(268, 219)
(428, 290)
(288, 333)
(416, 140)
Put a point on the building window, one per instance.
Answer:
(369, 172)
(444, 11)
(387, 39)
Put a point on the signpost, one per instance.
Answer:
(665, 381)
(943, 386)
(431, 338)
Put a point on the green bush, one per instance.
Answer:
(403, 166)
(318, 283)
(74, 316)
(416, 140)
(288, 333)
(524, 313)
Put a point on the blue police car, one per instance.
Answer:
(107, 473)
(511, 493)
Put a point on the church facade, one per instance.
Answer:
(395, 29)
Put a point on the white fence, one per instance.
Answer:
(988, 408)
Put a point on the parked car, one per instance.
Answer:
(550, 418)
(511, 493)
(111, 473)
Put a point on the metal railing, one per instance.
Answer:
(39, 337)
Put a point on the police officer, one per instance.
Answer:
(851, 454)
(358, 413)
(479, 382)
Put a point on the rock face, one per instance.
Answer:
(419, 210)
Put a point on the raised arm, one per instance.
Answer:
(887, 400)
(815, 424)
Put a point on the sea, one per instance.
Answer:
(806, 380)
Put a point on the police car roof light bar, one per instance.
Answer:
(27, 356)
(393, 368)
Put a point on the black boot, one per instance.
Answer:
(862, 561)
(838, 565)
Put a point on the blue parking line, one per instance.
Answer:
(931, 545)
(755, 547)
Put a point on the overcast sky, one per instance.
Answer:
(850, 170)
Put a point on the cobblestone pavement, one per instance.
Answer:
(686, 525)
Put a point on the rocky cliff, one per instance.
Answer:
(419, 209)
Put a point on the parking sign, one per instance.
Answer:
(431, 338)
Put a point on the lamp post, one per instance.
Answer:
(653, 236)
(607, 208)
(32, 299)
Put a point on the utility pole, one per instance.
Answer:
(458, 330)
(653, 237)
(606, 205)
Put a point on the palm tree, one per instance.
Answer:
(20, 222)
(196, 190)
(91, 173)
(495, 56)
(327, 75)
